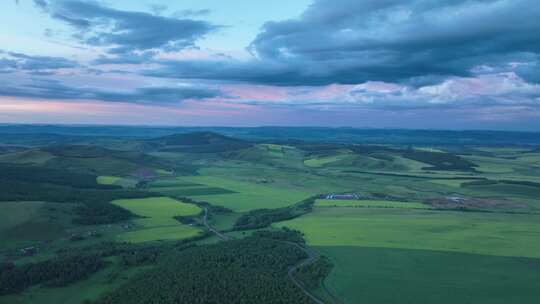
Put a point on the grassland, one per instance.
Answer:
(390, 275)
(27, 157)
(24, 223)
(248, 196)
(369, 204)
(325, 160)
(469, 232)
(158, 221)
(107, 180)
(433, 256)
(454, 183)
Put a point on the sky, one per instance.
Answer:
(424, 64)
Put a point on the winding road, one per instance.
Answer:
(312, 258)
(217, 233)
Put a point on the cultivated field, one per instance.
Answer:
(158, 221)
(247, 196)
(376, 248)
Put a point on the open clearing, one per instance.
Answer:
(454, 183)
(325, 160)
(158, 221)
(107, 180)
(369, 204)
(248, 196)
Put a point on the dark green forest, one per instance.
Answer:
(250, 270)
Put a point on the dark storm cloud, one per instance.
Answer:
(352, 41)
(53, 89)
(265, 72)
(125, 31)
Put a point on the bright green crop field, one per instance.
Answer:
(410, 276)
(471, 232)
(158, 221)
(248, 195)
(393, 255)
(107, 180)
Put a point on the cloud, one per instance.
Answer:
(157, 9)
(356, 41)
(7, 65)
(27, 62)
(53, 89)
(192, 13)
(127, 58)
(40, 3)
(493, 90)
(125, 31)
(12, 61)
(351, 42)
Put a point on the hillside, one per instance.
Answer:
(199, 142)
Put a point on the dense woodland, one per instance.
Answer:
(251, 270)
(440, 161)
(55, 272)
(32, 183)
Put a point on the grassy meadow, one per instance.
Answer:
(157, 219)
(459, 256)
(108, 180)
(411, 276)
(246, 195)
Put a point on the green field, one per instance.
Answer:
(16, 213)
(325, 160)
(409, 276)
(459, 256)
(369, 204)
(454, 183)
(248, 195)
(158, 221)
(108, 180)
(27, 157)
(470, 232)
(24, 223)
(176, 182)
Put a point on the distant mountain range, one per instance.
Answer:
(19, 134)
